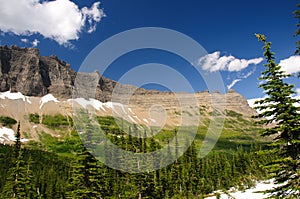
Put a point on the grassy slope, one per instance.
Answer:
(237, 131)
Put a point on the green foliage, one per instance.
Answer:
(72, 172)
(7, 121)
(41, 174)
(57, 121)
(231, 113)
(86, 176)
(297, 16)
(279, 109)
(19, 179)
(63, 147)
(80, 175)
(34, 118)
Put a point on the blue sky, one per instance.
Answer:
(225, 29)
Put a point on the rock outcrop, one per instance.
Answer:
(24, 70)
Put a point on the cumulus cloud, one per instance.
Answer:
(291, 64)
(215, 62)
(35, 43)
(61, 20)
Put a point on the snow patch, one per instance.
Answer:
(15, 96)
(145, 120)
(97, 104)
(130, 110)
(114, 106)
(248, 193)
(136, 117)
(153, 120)
(92, 102)
(7, 134)
(81, 101)
(133, 120)
(47, 98)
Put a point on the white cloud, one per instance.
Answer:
(241, 77)
(35, 43)
(291, 64)
(24, 40)
(61, 20)
(214, 62)
(92, 15)
(249, 73)
(233, 83)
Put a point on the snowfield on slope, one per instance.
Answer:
(47, 98)
(7, 134)
(14, 96)
(251, 193)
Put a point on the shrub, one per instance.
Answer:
(7, 121)
(34, 117)
(57, 120)
(231, 113)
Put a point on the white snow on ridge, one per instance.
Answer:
(114, 106)
(7, 134)
(15, 96)
(81, 101)
(99, 105)
(47, 98)
(92, 102)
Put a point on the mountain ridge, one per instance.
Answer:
(31, 84)
(24, 70)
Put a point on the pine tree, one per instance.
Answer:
(297, 16)
(282, 120)
(297, 33)
(19, 180)
(86, 179)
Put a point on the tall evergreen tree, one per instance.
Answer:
(19, 180)
(86, 179)
(282, 121)
(297, 16)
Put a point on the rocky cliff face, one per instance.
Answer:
(24, 70)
